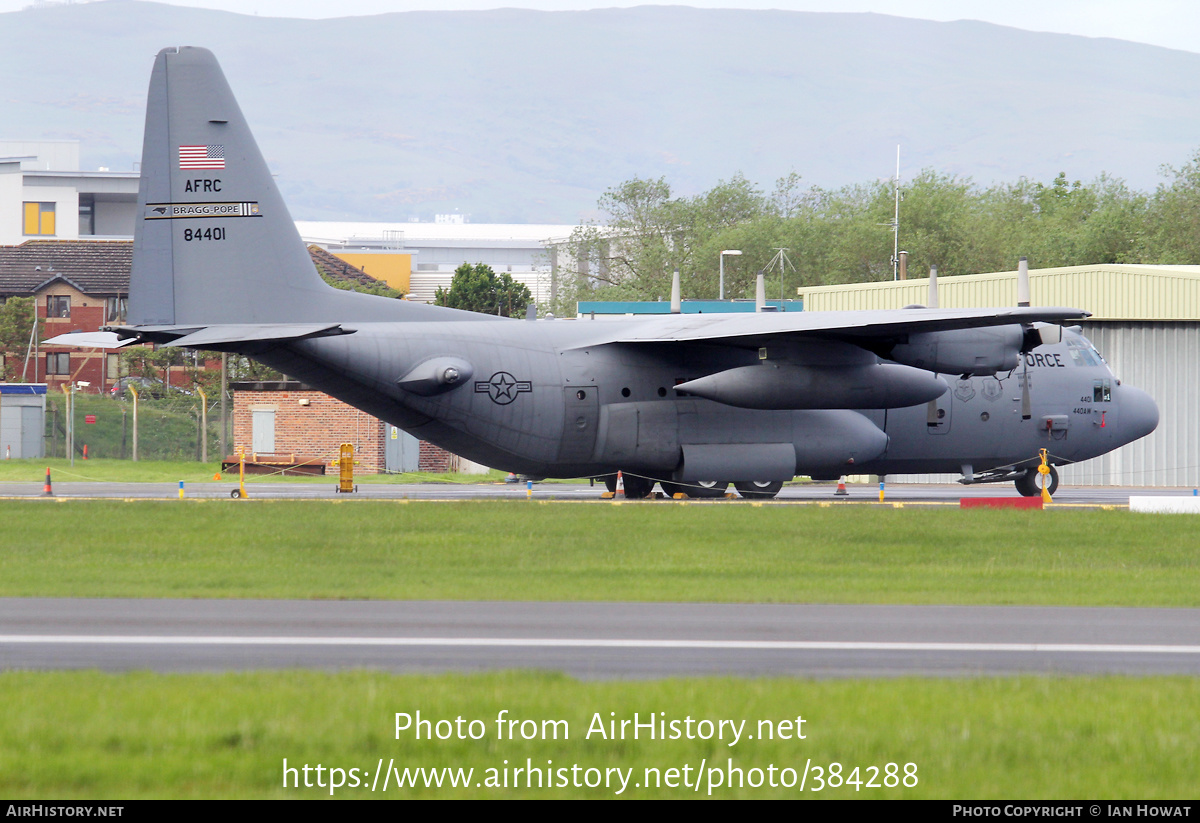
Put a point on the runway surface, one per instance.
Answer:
(594, 640)
(946, 494)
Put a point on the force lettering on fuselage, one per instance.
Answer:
(202, 185)
(1053, 361)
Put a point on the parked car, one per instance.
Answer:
(145, 385)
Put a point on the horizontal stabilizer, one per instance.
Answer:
(226, 335)
(89, 339)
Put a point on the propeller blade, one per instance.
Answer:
(1026, 406)
(1033, 336)
(1050, 334)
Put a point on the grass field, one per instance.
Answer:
(89, 735)
(651, 552)
(92, 735)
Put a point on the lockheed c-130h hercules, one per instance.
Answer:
(695, 402)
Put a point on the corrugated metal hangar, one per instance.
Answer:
(1145, 321)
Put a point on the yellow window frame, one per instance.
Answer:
(39, 219)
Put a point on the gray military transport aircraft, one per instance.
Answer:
(693, 402)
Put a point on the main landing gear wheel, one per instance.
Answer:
(706, 488)
(1030, 485)
(610, 483)
(759, 489)
(637, 488)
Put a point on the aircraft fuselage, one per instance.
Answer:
(556, 399)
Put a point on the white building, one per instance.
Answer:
(525, 251)
(44, 195)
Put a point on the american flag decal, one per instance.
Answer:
(201, 157)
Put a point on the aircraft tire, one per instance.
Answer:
(1030, 485)
(706, 488)
(759, 489)
(637, 488)
(610, 482)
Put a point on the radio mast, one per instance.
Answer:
(896, 220)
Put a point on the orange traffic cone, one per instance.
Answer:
(841, 489)
(46, 489)
(620, 484)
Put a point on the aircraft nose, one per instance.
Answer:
(1139, 413)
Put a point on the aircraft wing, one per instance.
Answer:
(855, 326)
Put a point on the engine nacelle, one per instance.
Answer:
(773, 385)
(982, 351)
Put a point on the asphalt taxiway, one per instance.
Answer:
(595, 640)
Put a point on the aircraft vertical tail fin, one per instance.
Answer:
(213, 240)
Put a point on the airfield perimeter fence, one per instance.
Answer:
(168, 427)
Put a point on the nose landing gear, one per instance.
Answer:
(1030, 484)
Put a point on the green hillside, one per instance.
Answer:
(525, 116)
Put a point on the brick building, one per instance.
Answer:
(289, 418)
(287, 421)
(77, 285)
(81, 285)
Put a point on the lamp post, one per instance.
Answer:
(203, 425)
(725, 252)
(133, 390)
(68, 390)
(81, 384)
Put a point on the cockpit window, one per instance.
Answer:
(1102, 391)
(1083, 353)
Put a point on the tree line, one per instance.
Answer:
(844, 235)
(478, 288)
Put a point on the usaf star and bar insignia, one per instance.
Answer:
(502, 387)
